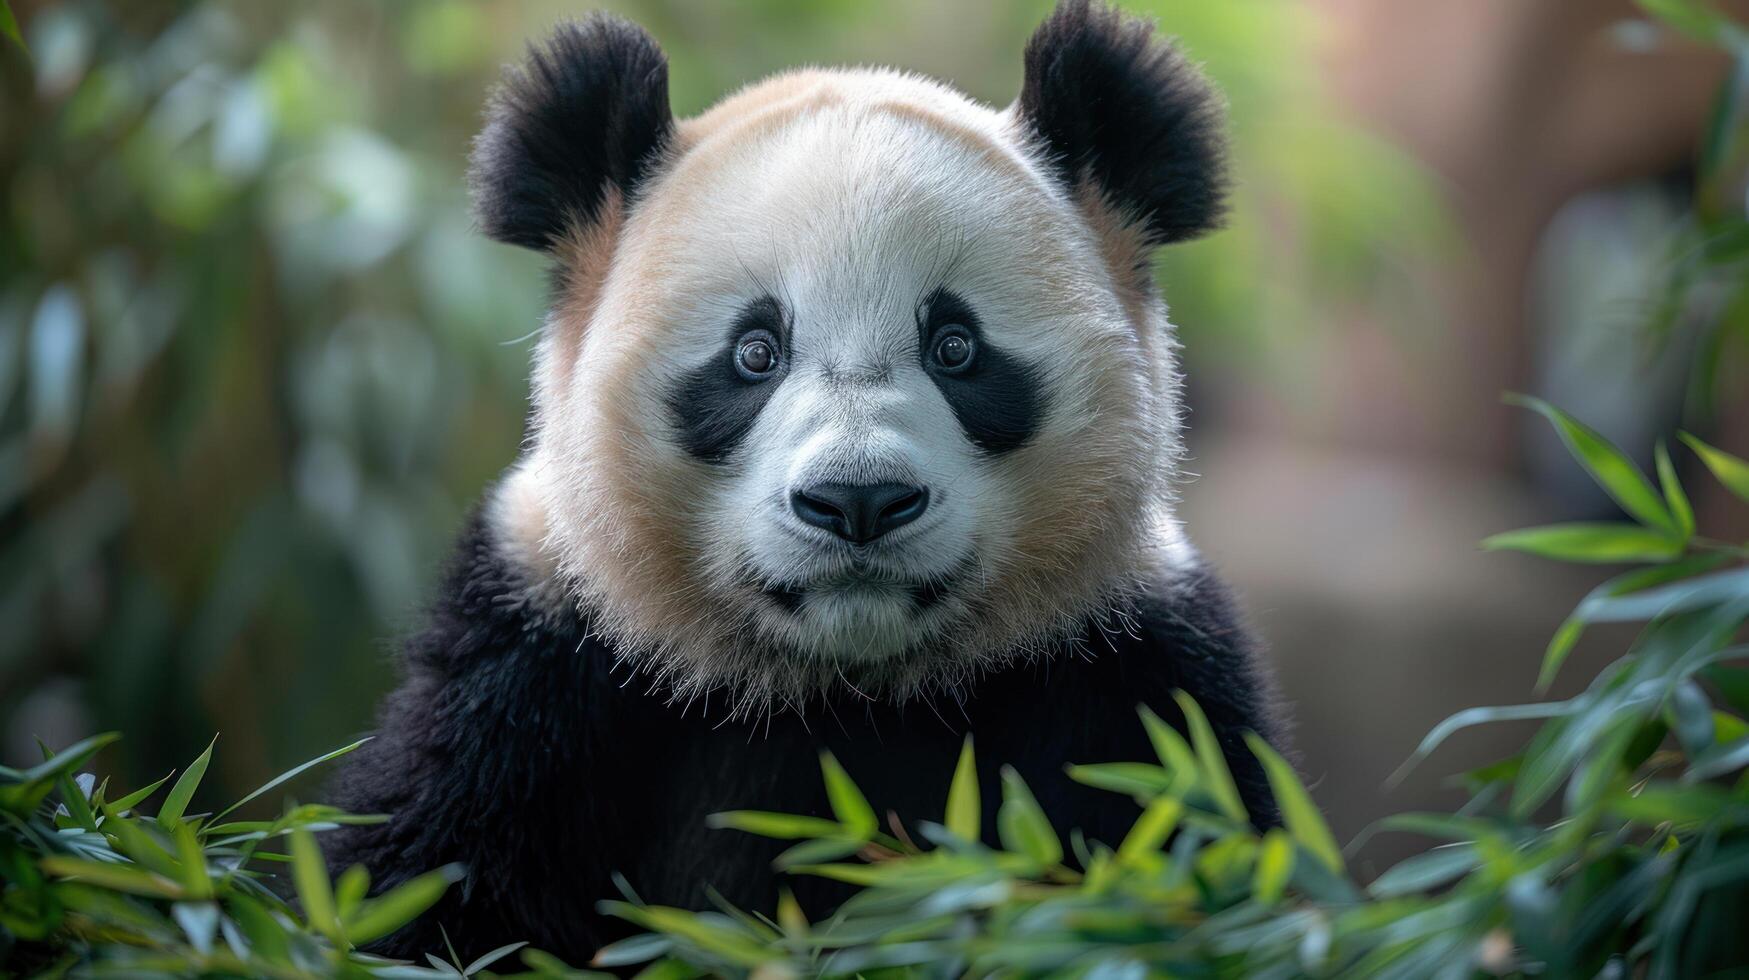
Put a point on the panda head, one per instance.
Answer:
(850, 380)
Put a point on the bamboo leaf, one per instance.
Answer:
(1211, 760)
(310, 876)
(138, 796)
(848, 803)
(964, 817)
(1595, 543)
(1275, 865)
(9, 25)
(400, 905)
(288, 775)
(176, 802)
(1730, 470)
(779, 826)
(1674, 495)
(1609, 466)
(1638, 580)
(1428, 871)
(1718, 760)
(1138, 779)
(119, 877)
(1174, 752)
(1022, 823)
(1151, 829)
(1303, 819)
(487, 959)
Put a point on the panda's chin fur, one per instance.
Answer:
(861, 617)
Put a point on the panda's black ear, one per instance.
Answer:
(1116, 105)
(586, 115)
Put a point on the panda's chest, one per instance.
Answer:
(675, 771)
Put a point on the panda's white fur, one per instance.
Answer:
(850, 195)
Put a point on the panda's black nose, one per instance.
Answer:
(859, 513)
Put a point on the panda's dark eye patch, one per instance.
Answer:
(994, 395)
(715, 405)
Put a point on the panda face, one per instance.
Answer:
(850, 387)
(869, 349)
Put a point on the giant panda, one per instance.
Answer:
(855, 428)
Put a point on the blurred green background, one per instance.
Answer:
(255, 362)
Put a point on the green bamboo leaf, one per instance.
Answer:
(1211, 760)
(77, 804)
(394, 908)
(68, 759)
(1595, 543)
(193, 862)
(1470, 717)
(1718, 760)
(790, 915)
(693, 928)
(637, 949)
(1627, 583)
(780, 826)
(117, 877)
(1690, 715)
(1609, 466)
(1663, 802)
(349, 891)
(487, 959)
(9, 25)
(848, 803)
(817, 851)
(1692, 19)
(1022, 824)
(1730, 470)
(176, 802)
(267, 939)
(1138, 779)
(138, 796)
(964, 817)
(1173, 751)
(1441, 826)
(1560, 645)
(310, 876)
(1686, 595)
(139, 845)
(1425, 872)
(1275, 865)
(1151, 829)
(1674, 495)
(288, 775)
(199, 922)
(1301, 815)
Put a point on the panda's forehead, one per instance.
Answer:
(855, 179)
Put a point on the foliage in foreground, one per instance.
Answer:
(92, 886)
(1615, 844)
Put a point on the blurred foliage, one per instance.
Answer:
(255, 362)
(93, 886)
(1709, 257)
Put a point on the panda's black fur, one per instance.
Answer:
(519, 746)
(515, 748)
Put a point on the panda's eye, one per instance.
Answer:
(756, 355)
(953, 349)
